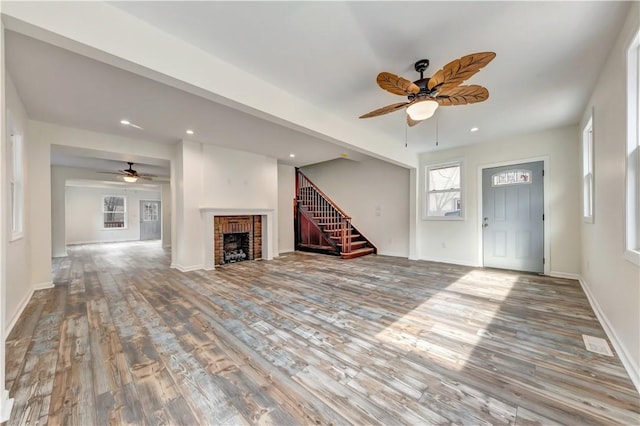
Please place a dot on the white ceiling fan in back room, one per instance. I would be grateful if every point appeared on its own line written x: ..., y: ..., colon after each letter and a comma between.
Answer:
x: 442, y: 89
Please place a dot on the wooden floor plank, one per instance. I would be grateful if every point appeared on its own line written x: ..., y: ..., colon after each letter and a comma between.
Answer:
x: 307, y: 338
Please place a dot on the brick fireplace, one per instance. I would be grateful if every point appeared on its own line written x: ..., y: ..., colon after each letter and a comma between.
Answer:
x: 211, y: 250
x: 237, y: 238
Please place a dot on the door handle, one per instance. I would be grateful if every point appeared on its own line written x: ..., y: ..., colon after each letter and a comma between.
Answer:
x: 485, y: 224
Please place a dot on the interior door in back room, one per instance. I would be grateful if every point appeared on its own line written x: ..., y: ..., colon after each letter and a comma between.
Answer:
x: 150, y: 223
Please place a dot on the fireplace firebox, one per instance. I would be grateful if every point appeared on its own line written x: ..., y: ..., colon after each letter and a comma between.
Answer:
x: 237, y: 238
x: 235, y: 247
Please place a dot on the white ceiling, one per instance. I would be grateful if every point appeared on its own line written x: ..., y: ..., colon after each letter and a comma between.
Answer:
x: 549, y: 55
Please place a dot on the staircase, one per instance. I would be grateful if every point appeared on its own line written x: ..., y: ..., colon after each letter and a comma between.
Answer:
x: 321, y: 226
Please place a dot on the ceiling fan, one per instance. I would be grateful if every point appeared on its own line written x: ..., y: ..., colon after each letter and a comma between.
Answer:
x: 129, y: 175
x: 443, y: 88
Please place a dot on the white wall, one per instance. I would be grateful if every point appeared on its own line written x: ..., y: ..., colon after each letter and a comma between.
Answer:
x: 376, y: 196
x: 187, y: 252
x: 84, y: 214
x: 165, y: 196
x: 17, y: 267
x: 286, y: 195
x: 208, y: 176
x: 462, y: 238
x: 5, y: 402
x: 612, y: 281
x: 236, y: 179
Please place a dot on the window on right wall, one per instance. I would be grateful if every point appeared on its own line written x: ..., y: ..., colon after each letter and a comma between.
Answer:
x: 587, y: 171
x: 632, y: 228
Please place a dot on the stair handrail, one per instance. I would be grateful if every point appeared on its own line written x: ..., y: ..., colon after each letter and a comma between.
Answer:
x: 322, y: 194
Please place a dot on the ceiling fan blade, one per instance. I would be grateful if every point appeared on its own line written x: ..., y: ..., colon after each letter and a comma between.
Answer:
x: 110, y: 173
x: 396, y: 85
x: 385, y: 110
x: 455, y: 72
x: 411, y: 122
x: 145, y: 175
x: 462, y: 95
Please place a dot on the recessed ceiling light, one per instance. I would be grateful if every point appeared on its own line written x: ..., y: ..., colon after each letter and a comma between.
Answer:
x: 190, y: 132
x: 292, y: 155
x: 474, y: 129
x: 130, y: 124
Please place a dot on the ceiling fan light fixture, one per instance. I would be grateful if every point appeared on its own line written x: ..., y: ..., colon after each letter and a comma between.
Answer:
x: 422, y: 110
x: 130, y: 179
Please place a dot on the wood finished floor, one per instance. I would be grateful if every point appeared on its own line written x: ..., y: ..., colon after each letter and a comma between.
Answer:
x: 124, y: 339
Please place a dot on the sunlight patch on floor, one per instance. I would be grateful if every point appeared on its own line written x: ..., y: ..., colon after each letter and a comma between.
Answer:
x: 448, y: 326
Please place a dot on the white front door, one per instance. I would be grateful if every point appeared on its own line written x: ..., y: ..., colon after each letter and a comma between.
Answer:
x: 513, y: 221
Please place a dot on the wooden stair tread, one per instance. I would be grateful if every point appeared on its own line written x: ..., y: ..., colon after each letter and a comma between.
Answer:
x: 357, y: 253
x: 317, y: 247
x: 355, y: 243
x: 321, y: 225
x: 338, y: 237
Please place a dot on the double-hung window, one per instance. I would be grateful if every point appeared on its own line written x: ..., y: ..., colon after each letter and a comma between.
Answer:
x: 114, y: 212
x: 16, y: 185
x: 443, y: 197
x: 587, y: 172
x: 632, y: 228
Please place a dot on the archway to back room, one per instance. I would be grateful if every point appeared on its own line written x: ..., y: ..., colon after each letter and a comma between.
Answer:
x: 92, y: 203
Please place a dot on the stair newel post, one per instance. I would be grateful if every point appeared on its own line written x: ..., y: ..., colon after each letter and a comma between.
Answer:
x: 296, y: 205
x: 343, y: 235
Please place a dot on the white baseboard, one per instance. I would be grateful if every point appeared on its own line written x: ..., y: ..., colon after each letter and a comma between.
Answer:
x: 393, y: 254
x: 627, y: 360
x: 566, y: 275
x: 23, y: 304
x: 187, y: 268
x: 6, y: 404
x: 43, y: 286
x: 451, y: 261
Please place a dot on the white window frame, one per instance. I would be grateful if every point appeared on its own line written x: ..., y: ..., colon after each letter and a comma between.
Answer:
x: 632, y: 228
x: 588, y: 176
x: 124, y: 213
x: 16, y: 184
x: 427, y: 172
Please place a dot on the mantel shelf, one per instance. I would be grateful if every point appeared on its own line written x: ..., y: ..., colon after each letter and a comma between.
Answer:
x: 233, y: 211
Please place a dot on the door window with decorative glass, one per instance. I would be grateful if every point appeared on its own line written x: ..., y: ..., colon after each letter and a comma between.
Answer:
x: 150, y: 211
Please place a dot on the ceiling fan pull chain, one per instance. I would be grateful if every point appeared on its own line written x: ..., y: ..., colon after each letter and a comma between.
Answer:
x: 406, y: 126
x: 437, y: 127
